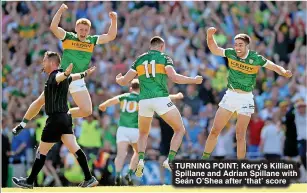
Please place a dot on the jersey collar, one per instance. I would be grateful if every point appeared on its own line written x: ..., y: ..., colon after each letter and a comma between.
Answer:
x: 133, y: 92
x: 154, y: 51
x: 245, y: 55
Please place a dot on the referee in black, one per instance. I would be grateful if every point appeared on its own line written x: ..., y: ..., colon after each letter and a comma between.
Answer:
x: 59, y: 123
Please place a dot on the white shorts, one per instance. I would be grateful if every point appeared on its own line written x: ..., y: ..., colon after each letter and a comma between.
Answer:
x: 242, y: 103
x: 160, y: 105
x: 127, y: 134
x: 77, y: 86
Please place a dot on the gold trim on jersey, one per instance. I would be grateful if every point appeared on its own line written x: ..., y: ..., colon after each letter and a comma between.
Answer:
x: 77, y: 45
x: 160, y: 69
x: 242, y: 67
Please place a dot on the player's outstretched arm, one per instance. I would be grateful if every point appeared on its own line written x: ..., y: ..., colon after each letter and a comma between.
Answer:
x: 177, y: 96
x: 110, y: 102
x: 212, y: 45
x: 278, y: 69
x: 111, y: 35
x: 81, y: 75
x: 54, y: 26
x: 127, y: 78
x: 181, y: 79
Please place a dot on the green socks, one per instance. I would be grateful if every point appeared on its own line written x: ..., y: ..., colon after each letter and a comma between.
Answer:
x: 171, y: 155
x: 206, y: 155
x: 141, y: 155
x: 118, y: 174
x: 130, y: 172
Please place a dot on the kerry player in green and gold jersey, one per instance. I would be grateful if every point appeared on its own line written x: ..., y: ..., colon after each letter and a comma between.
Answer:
x: 243, y: 68
x: 128, y: 132
x: 78, y: 49
x: 153, y: 69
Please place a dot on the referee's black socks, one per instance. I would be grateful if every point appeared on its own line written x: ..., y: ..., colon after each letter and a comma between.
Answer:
x: 36, y: 168
x: 83, y: 164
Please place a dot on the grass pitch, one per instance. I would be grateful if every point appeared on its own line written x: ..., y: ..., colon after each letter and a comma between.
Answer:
x: 104, y: 189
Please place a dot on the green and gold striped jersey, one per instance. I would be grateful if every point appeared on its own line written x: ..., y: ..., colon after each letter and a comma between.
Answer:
x: 76, y: 52
x: 152, y: 76
x: 243, y: 71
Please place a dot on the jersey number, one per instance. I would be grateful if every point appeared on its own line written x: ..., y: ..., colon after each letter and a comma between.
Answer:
x: 129, y: 106
x: 153, y: 68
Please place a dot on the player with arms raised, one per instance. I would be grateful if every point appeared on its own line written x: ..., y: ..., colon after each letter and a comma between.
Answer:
x: 243, y: 68
x: 153, y: 69
x: 78, y: 49
x: 128, y: 132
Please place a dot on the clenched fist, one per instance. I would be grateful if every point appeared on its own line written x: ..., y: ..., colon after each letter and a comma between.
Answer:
x: 113, y: 15
x: 211, y: 31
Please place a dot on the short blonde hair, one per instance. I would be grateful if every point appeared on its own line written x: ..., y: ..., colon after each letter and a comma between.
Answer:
x: 84, y: 21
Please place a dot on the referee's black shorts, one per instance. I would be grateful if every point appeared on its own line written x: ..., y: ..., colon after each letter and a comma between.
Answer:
x: 57, y: 124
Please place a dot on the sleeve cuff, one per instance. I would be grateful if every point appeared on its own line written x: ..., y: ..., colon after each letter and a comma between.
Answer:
x: 266, y: 63
x: 224, y: 52
x: 64, y: 36
x: 97, y: 42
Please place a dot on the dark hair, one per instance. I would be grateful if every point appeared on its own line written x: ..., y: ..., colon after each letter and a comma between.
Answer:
x: 53, y: 56
x: 245, y: 38
x: 135, y: 85
x: 156, y: 41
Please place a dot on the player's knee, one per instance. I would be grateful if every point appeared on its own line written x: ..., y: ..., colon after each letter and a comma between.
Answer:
x: 214, y: 132
x: 87, y: 111
x: 240, y: 136
x: 121, y: 156
x: 181, y: 131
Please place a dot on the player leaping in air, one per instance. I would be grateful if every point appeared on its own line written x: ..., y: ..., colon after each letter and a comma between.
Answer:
x: 153, y: 69
x: 78, y: 49
x: 243, y: 68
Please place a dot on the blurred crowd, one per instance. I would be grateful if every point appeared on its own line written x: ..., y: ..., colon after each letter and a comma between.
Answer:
x: 278, y: 32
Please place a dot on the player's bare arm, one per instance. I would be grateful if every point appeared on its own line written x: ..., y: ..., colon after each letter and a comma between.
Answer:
x: 212, y: 45
x: 111, y: 35
x: 127, y: 78
x: 278, y: 69
x: 54, y: 26
x: 177, y: 96
x: 181, y: 79
x: 110, y: 102
x: 88, y: 72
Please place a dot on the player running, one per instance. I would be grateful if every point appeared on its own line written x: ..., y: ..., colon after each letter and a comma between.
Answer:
x: 127, y: 132
x: 243, y: 68
x: 78, y: 49
x: 59, y: 123
x: 153, y: 69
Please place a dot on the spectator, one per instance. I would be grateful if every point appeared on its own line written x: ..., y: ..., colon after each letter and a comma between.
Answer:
x: 272, y: 140
x: 191, y: 98
x: 300, y: 123
x: 206, y: 93
x: 291, y: 144
x: 254, y: 129
x: 5, y: 159
x: 90, y: 130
